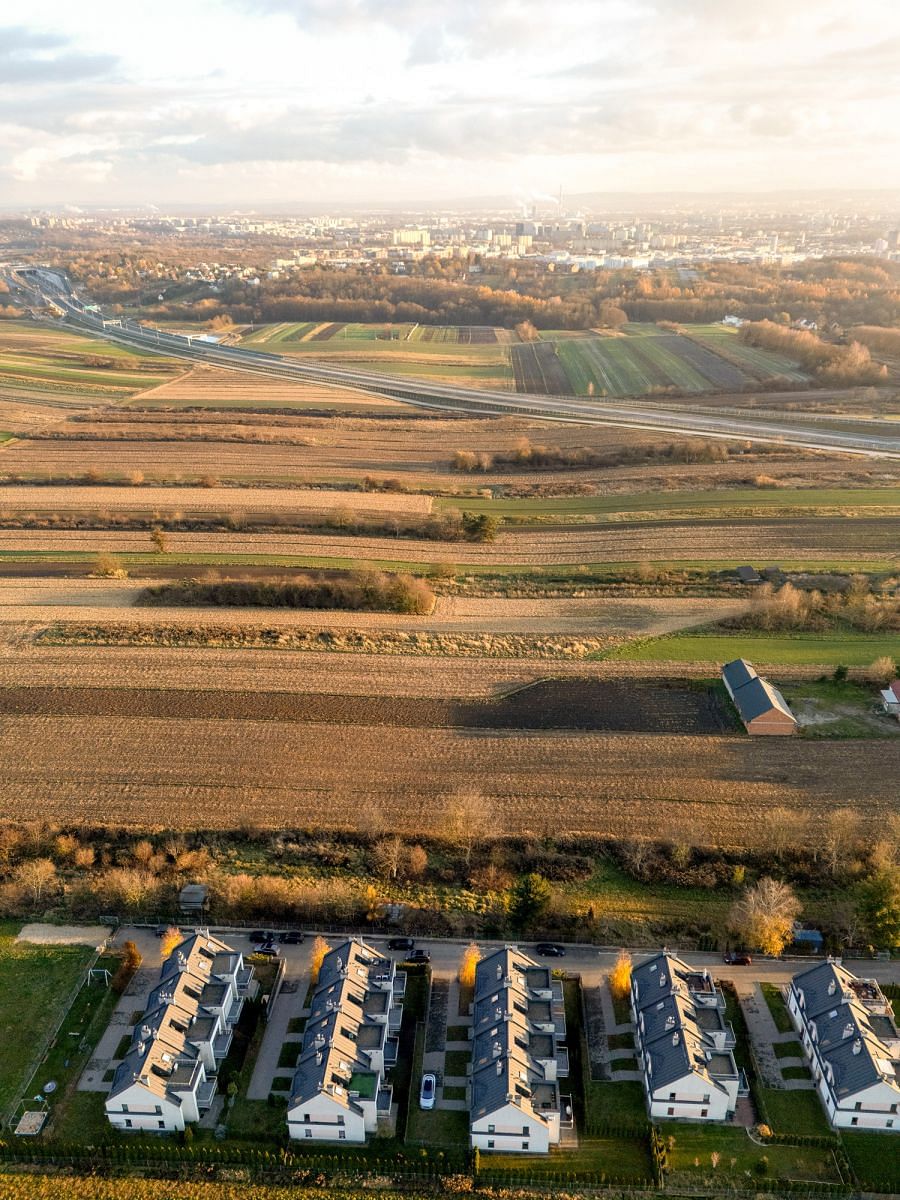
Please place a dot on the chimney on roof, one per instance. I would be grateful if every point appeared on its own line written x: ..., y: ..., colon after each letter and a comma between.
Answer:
x: 670, y: 1022
x: 848, y: 1030
x: 662, y: 979
x: 675, y: 1038
x: 499, y: 1067
x: 857, y: 1046
x: 832, y: 987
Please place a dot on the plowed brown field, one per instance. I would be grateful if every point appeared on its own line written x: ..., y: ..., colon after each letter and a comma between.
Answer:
x: 150, y: 772
x: 209, y: 387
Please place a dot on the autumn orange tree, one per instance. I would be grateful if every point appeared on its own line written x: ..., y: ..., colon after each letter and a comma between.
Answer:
x: 620, y: 976
x: 319, y: 949
x: 470, y: 960
x: 170, y: 939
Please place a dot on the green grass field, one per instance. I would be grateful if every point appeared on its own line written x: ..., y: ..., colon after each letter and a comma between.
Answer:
x: 725, y: 341
x: 799, y: 649
x: 875, y: 1159
x: 35, y: 984
x: 691, y: 1157
x: 721, y: 500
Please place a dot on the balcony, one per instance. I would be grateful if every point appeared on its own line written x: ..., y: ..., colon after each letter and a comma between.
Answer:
x: 566, y: 1113
x: 205, y: 1093
x: 391, y: 1051
x: 562, y: 1062
x: 244, y: 980
x: 399, y: 985
x: 222, y: 1044
x: 395, y: 1018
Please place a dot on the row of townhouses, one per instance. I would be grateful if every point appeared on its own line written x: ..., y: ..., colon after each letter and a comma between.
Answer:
x: 519, y: 1058
x: 169, y: 1075
x: 851, y: 1040
x: 351, y: 1038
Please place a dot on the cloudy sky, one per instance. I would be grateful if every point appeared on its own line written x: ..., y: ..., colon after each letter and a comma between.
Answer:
x: 270, y: 101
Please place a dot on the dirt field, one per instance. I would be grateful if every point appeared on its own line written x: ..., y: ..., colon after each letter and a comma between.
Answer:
x: 210, y: 387
x: 25, y: 498
x: 166, y: 771
x: 50, y: 600
x: 809, y: 539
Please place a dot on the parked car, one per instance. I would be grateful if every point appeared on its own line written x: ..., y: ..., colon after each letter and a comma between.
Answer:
x: 418, y: 956
x: 427, y: 1091
x: 406, y: 944
x: 261, y: 935
x: 290, y: 937
x: 267, y: 950
x: 737, y: 958
x: 550, y: 950
x: 161, y: 930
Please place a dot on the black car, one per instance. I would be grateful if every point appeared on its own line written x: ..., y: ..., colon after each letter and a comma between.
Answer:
x: 261, y: 935
x: 290, y: 937
x: 737, y: 958
x: 418, y: 956
x: 550, y: 950
x: 267, y: 950
x: 405, y: 944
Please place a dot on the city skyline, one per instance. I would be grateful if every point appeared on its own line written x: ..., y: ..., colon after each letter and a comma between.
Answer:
x: 299, y: 101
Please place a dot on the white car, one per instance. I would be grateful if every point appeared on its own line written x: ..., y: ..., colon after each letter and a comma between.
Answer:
x: 427, y: 1091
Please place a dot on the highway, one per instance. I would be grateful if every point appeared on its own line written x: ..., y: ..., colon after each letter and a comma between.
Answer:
x: 805, y: 433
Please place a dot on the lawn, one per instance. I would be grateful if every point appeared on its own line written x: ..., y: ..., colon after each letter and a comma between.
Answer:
x: 827, y: 650
x: 457, y: 1033
x: 777, y: 1007
x: 617, y: 1158
x: 456, y: 1062
x: 36, y: 983
x: 795, y: 1073
x: 874, y: 1158
x: 788, y: 1050
x: 615, y: 1104
x: 795, y: 1112
x: 690, y: 1157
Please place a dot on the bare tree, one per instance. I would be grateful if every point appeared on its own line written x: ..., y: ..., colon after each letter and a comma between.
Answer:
x: 468, y: 819
x: 840, y: 838
x: 387, y: 857
x: 36, y: 875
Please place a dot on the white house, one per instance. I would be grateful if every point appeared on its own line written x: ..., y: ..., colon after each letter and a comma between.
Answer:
x: 517, y: 1056
x: 169, y: 1075
x: 684, y: 1043
x: 851, y: 1041
x: 339, y: 1091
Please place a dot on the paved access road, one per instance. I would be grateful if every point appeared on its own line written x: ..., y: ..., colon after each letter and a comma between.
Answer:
x: 591, y: 963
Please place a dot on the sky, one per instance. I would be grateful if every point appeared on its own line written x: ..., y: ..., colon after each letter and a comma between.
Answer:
x: 243, y: 102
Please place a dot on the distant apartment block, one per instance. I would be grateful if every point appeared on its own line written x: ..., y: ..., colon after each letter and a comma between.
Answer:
x: 851, y: 1040
x: 684, y: 1042
x: 168, y: 1078
x: 351, y: 1038
x: 518, y: 1056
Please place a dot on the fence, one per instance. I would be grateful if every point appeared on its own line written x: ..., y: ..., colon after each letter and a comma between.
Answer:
x: 276, y: 986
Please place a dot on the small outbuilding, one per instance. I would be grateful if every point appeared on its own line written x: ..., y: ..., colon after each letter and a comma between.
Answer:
x: 748, y: 575
x: 890, y: 699
x: 193, y: 899
x: 760, y: 705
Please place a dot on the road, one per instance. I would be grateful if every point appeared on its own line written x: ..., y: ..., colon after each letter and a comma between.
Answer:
x: 54, y: 289
x: 591, y: 963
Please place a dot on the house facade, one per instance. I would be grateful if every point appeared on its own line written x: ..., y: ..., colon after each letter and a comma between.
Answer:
x: 760, y: 705
x: 339, y: 1093
x: 684, y: 1043
x: 518, y: 1056
x: 852, y: 1043
x: 168, y: 1077
x: 890, y: 699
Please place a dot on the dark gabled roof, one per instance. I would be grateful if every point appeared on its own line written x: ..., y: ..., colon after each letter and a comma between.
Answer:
x: 758, y: 697
x: 738, y: 672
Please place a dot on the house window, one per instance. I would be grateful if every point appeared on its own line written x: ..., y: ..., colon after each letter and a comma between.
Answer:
x: 858, y: 1106
x: 490, y: 1143
x: 342, y: 1135
x: 492, y: 1129
x: 671, y: 1095
x: 127, y: 1124
x: 706, y: 1099
x: 670, y: 1112
x: 124, y: 1108
x: 526, y: 1130
x: 854, y: 1120
x: 161, y: 1124
x: 307, y: 1132
x: 340, y: 1120
x: 524, y: 1145
x: 306, y: 1118
x: 889, y: 1125
x: 704, y: 1112
x: 158, y: 1109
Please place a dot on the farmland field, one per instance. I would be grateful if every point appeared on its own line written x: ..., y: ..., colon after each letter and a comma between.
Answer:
x: 850, y: 649
x: 201, y: 773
